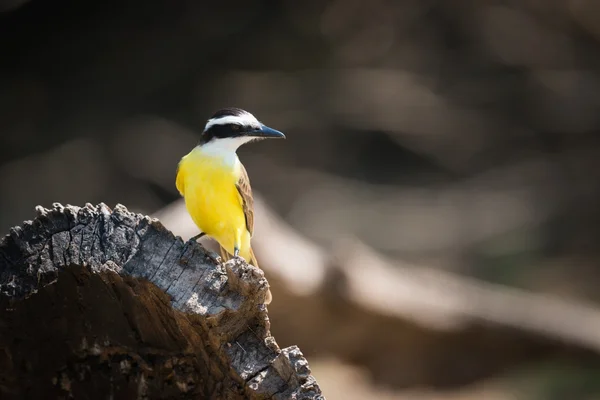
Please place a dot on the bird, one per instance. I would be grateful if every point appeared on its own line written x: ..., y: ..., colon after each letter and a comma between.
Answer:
x: 215, y: 184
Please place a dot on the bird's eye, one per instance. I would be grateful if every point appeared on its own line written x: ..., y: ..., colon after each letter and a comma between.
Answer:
x: 235, y: 127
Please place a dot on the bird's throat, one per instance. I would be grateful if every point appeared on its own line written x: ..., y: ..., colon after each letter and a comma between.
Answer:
x: 223, y: 154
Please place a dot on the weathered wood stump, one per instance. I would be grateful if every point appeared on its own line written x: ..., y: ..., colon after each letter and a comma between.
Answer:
x: 98, y: 303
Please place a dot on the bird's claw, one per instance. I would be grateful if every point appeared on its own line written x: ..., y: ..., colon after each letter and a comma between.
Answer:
x: 236, y: 254
x: 196, y: 237
x: 214, y: 256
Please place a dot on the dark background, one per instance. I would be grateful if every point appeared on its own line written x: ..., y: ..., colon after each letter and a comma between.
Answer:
x: 460, y: 135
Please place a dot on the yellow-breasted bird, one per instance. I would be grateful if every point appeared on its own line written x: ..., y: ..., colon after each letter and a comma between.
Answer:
x: 215, y: 184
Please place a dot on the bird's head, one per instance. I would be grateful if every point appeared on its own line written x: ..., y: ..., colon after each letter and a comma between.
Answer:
x: 230, y: 128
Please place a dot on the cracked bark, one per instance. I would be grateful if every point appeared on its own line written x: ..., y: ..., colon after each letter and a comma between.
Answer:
x: 99, y: 303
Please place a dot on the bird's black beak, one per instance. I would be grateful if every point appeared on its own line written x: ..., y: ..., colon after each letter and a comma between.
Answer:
x: 266, y: 133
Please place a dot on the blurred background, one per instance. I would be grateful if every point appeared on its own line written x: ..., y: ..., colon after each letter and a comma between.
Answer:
x: 430, y: 226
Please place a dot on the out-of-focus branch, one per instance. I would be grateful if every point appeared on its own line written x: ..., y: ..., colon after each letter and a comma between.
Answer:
x: 395, y: 317
x: 443, y: 218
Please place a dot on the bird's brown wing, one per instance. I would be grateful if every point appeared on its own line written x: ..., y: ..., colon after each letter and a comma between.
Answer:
x: 243, y: 187
x: 245, y: 191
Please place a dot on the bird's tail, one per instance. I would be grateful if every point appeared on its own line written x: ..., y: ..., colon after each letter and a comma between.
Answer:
x: 251, y: 259
x: 225, y: 256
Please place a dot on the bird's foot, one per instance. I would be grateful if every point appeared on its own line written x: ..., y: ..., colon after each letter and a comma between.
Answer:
x: 214, y: 256
x: 198, y: 236
x: 236, y: 254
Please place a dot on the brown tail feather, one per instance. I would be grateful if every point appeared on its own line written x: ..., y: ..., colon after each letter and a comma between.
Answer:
x: 225, y: 256
x: 253, y: 259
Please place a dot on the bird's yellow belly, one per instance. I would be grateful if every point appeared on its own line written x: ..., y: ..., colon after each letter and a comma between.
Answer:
x: 214, y: 204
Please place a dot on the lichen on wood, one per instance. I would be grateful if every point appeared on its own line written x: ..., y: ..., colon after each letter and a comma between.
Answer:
x: 98, y: 303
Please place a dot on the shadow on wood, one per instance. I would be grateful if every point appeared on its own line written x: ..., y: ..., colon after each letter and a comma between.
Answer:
x: 99, y: 303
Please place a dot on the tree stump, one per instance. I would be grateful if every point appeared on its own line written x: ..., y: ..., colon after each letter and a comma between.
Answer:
x: 99, y: 303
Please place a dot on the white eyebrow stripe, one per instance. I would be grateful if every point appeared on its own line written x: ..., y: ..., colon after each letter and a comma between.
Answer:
x: 244, y: 119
